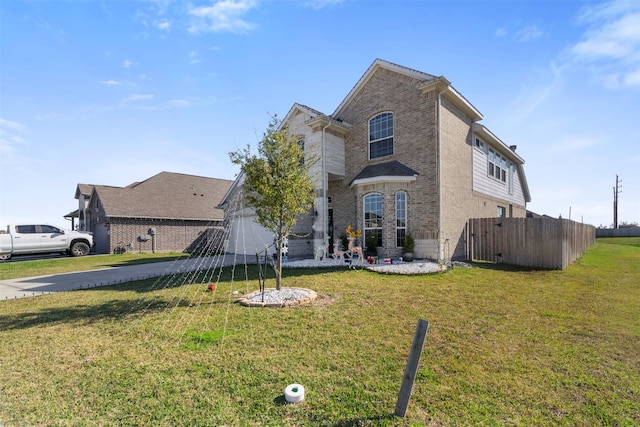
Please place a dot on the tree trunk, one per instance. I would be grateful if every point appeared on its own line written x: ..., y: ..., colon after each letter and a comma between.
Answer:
x: 279, y: 261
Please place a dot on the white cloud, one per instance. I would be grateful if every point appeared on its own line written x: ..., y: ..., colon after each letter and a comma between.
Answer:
x: 321, y: 4
x: 139, y: 97
x: 126, y: 63
x: 222, y: 16
x: 10, y: 141
x: 528, y: 33
x: 164, y: 25
x: 7, y: 125
x: 501, y: 32
x: 194, y: 58
x: 533, y: 94
x: 109, y: 82
x: 611, y: 44
x: 179, y: 103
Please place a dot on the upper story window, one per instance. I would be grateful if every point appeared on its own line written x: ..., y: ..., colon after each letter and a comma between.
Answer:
x: 381, y: 135
x: 497, y: 166
x: 479, y: 144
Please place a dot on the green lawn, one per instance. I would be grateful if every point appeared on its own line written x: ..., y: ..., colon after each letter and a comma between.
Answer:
x: 505, y: 347
x: 42, y: 267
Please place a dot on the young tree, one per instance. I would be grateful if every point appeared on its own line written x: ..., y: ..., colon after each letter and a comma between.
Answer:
x: 277, y: 183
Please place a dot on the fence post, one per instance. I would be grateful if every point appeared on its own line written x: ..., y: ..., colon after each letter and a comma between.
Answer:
x: 412, y: 368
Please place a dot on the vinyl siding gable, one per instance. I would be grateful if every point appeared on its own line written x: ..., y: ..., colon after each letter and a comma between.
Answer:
x: 485, y: 184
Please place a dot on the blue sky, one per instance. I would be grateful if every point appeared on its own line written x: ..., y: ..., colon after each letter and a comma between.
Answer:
x: 115, y: 92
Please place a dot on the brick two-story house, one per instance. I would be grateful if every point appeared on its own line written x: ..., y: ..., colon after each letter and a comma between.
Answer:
x: 403, y: 152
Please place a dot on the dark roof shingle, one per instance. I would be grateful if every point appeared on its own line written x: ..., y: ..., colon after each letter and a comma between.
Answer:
x: 166, y: 195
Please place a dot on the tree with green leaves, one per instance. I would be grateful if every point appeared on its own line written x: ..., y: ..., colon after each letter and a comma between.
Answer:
x: 277, y: 183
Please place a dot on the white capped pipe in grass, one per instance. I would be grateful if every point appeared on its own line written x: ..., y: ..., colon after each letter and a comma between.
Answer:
x: 294, y: 393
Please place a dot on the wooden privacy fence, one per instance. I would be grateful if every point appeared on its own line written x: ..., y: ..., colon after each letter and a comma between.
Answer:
x: 546, y: 243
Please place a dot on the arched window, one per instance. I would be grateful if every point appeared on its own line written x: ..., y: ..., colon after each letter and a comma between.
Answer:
x: 381, y: 135
x: 401, y: 217
x: 373, y: 217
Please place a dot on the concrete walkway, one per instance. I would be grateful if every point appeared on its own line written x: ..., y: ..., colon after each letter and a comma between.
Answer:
x: 42, y: 285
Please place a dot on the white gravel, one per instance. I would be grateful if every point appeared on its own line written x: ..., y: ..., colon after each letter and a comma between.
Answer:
x: 273, y: 296
x: 398, y: 267
x: 285, y: 295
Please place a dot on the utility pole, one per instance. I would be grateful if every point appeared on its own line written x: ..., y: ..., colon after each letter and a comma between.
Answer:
x: 616, y: 191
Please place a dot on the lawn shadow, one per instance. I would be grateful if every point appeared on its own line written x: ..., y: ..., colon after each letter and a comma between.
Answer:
x: 86, y: 314
x: 219, y: 276
x: 147, y: 261
x: 486, y: 265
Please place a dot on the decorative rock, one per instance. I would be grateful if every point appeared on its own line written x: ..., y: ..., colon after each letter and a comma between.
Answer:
x: 285, y: 297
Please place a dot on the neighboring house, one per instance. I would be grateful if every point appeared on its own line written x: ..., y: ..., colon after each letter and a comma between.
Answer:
x: 403, y: 152
x: 166, y: 213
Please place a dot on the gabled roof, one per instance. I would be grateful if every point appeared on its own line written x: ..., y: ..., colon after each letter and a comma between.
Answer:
x: 83, y: 189
x: 389, y: 171
x: 300, y: 107
x: 166, y: 195
x: 427, y: 82
x: 316, y: 118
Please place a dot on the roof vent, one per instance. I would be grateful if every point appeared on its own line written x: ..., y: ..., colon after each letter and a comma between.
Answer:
x: 513, y: 148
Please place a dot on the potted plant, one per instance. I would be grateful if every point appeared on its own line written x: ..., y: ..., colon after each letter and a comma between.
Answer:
x: 344, y: 240
x: 407, y: 247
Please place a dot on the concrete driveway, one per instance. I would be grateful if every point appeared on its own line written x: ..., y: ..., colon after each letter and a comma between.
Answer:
x: 42, y: 285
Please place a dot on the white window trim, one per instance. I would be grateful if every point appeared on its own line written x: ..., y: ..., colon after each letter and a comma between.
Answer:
x: 406, y: 214
x: 364, y: 216
x: 503, y: 165
x: 393, y: 137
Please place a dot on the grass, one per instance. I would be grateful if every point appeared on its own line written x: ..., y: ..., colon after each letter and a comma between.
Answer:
x: 42, y: 267
x: 505, y: 347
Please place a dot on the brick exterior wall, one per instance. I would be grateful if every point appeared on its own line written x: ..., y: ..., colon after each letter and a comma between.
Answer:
x: 415, y: 145
x: 171, y: 235
x: 456, y: 180
x: 441, y: 199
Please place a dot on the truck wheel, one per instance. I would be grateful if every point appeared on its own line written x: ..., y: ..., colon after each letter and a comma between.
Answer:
x: 5, y: 257
x: 79, y: 249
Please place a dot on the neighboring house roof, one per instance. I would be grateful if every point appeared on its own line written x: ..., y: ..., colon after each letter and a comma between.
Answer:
x: 83, y: 189
x: 427, y: 82
x: 389, y: 171
x: 166, y: 195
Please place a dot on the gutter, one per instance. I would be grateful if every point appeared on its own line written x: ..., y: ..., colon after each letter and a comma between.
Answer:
x: 438, y: 174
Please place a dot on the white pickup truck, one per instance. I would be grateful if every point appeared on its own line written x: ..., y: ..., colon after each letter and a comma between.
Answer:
x: 43, y: 238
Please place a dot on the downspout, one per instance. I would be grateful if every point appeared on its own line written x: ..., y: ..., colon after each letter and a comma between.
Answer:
x: 325, y: 204
x: 438, y: 175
